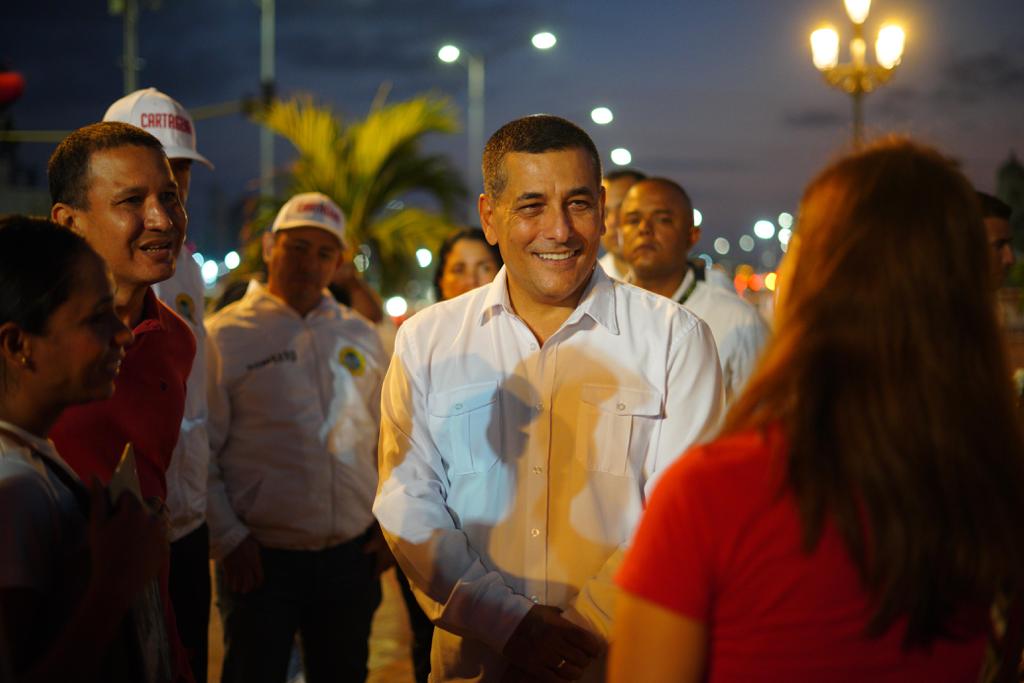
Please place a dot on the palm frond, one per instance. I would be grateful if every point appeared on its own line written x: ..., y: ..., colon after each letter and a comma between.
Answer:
x: 398, y: 235
x: 366, y: 165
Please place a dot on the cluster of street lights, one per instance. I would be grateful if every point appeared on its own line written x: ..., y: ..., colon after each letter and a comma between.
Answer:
x: 765, y: 230
x: 857, y: 78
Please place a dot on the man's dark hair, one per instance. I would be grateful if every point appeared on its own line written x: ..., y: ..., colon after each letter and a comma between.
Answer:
x: 620, y: 173
x: 993, y: 207
x: 533, y: 135
x: 68, y: 168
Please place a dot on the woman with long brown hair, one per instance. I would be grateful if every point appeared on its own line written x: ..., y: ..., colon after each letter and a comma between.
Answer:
x: 863, y: 506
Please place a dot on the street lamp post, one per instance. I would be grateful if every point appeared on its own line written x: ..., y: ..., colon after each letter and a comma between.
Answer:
x: 475, y: 67
x: 856, y: 77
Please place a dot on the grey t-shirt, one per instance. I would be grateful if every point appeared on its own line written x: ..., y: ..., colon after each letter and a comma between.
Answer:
x: 44, y: 526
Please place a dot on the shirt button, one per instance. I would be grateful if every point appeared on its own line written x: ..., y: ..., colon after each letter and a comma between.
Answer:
x: 535, y: 532
x: 533, y: 347
x: 538, y: 469
x: 620, y: 406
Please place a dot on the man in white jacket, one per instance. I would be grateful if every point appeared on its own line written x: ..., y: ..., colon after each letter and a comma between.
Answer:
x: 294, y: 394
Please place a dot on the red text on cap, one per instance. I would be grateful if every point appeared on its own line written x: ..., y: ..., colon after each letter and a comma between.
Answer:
x: 319, y: 208
x: 166, y: 121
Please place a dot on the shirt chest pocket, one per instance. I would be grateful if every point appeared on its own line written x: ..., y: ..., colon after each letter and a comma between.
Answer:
x: 466, y: 425
x: 614, y: 427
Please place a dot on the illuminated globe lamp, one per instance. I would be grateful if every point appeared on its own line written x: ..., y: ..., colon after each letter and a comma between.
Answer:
x: 857, y: 77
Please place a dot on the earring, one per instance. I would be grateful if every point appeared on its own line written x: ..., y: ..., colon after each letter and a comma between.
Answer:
x: 24, y: 361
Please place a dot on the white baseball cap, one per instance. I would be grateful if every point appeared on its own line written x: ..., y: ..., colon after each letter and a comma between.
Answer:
x: 311, y: 210
x: 163, y: 117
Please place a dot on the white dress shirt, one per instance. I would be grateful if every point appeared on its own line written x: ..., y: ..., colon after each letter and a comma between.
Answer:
x: 611, y: 267
x: 187, y: 473
x: 294, y: 411
x: 514, y: 474
x: 740, y: 331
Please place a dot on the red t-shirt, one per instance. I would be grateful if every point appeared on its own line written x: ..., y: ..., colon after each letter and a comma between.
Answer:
x: 146, y: 409
x: 719, y: 545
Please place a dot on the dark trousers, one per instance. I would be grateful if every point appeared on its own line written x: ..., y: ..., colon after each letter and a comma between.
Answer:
x: 327, y: 596
x: 422, y: 630
x: 189, y: 586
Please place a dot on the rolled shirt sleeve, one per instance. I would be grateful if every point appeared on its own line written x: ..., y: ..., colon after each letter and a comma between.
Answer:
x: 468, y: 599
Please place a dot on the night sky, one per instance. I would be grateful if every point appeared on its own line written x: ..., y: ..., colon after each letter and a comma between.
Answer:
x: 719, y: 95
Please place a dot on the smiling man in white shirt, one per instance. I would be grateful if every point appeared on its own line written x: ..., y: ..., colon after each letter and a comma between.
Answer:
x: 294, y: 405
x: 524, y: 423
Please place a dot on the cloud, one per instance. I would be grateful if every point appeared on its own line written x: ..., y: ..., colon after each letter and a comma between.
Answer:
x: 978, y: 76
x: 897, y: 102
x: 403, y: 35
x: 667, y: 164
x: 964, y: 80
x: 814, y: 118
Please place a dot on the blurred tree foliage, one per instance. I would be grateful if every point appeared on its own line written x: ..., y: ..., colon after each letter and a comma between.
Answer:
x: 370, y: 167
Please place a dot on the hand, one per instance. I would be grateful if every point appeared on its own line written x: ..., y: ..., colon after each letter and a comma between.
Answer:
x: 377, y: 546
x: 127, y: 544
x: 243, y: 567
x: 549, y: 647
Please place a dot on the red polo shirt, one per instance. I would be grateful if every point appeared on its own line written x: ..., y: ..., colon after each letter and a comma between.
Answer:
x: 146, y: 409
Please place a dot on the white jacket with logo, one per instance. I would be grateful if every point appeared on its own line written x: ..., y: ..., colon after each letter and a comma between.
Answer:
x: 186, y: 476
x: 294, y: 413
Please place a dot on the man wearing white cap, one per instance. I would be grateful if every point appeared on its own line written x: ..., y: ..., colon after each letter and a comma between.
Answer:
x: 294, y: 396
x: 170, y: 123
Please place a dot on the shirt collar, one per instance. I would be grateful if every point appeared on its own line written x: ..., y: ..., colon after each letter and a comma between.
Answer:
x: 151, y: 320
x: 258, y: 295
x: 39, y: 445
x: 597, y: 301
x: 684, y: 285
x: 497, y: 295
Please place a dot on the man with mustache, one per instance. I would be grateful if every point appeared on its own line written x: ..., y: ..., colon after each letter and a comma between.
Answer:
x: 112, y: 183
x: 524, y: 424
x: 658, y: 233
x: 996, y: 214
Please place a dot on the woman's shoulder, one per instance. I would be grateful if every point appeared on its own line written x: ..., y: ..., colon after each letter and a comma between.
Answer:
x: 735, y: 454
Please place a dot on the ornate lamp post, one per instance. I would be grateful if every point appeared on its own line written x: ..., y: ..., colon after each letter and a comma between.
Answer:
x: 857, y: 77
x: 475, y: 133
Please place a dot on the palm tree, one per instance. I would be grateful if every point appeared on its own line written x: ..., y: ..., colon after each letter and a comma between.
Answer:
x: 369, y: 167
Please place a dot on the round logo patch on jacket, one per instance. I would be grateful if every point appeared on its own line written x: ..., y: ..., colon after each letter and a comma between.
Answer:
x: 352, y: 359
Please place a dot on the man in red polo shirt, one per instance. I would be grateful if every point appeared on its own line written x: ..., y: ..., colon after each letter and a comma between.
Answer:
x: 111, y: 182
